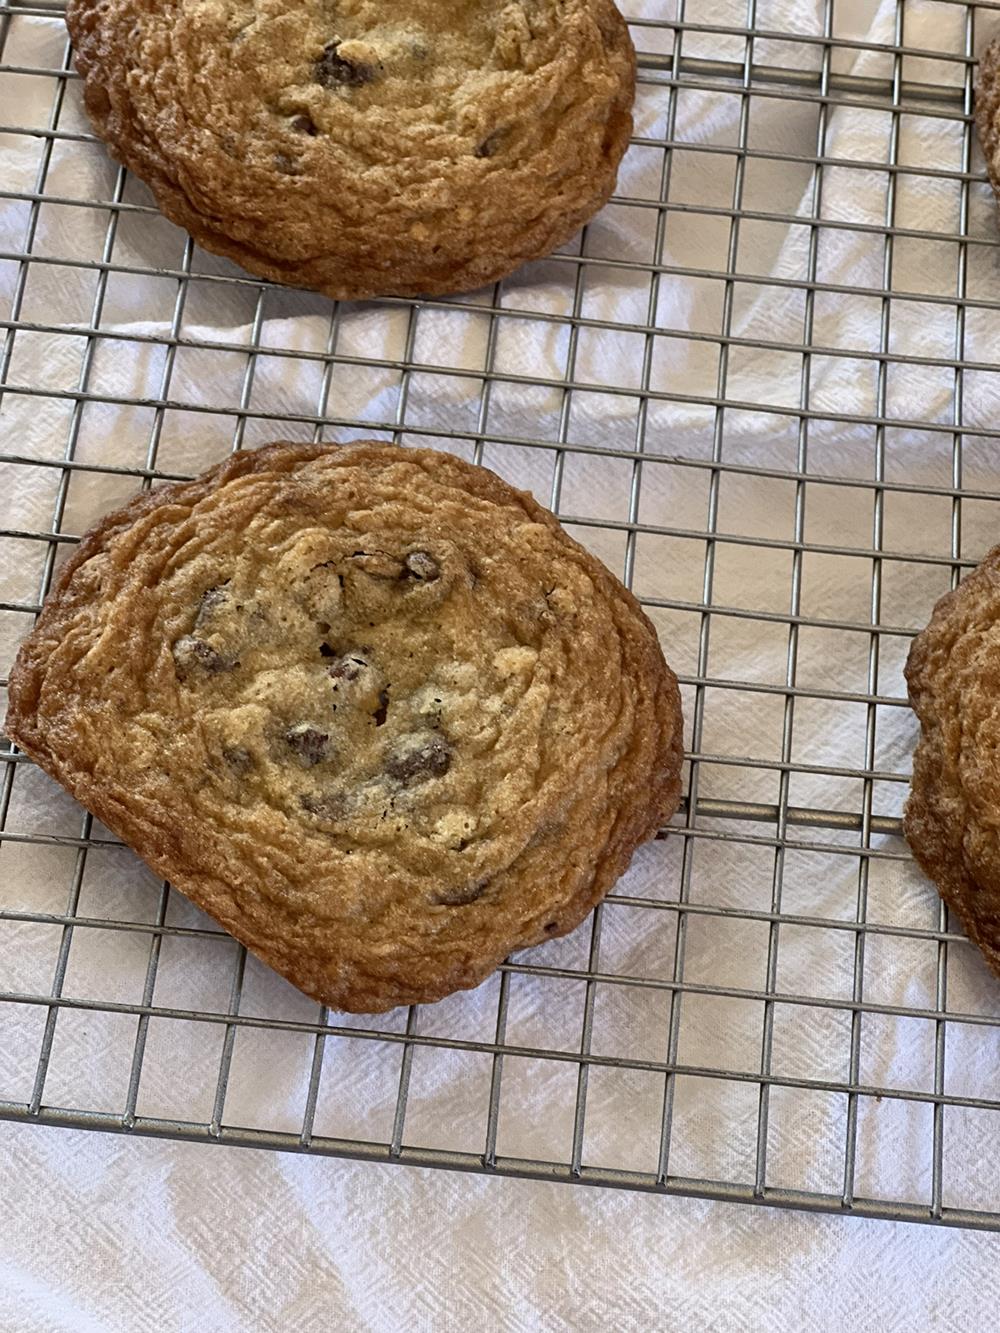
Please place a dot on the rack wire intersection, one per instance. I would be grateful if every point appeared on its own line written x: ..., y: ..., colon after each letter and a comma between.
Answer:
x: 749, y: 388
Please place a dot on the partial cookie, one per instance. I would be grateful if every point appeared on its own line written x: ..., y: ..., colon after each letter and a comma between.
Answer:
x: 952, y: 818
x: 361, y: 148
x: 987, y: 111
x: 370, y: 707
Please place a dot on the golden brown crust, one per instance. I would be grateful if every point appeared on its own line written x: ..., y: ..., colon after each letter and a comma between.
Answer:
x: 987, y: 110
x: 363, y: 149
x: 369, y: 707
x: 953, y: 814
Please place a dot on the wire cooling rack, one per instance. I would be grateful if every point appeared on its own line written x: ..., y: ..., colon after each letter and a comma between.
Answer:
x: 754, y: 386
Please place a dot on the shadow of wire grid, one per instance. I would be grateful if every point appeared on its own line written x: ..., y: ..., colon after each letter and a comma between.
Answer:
x: 760, y: 387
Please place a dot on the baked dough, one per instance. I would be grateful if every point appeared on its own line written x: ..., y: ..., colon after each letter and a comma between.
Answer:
x: 361, y: 148
x: 952, y: 818
x: 369, y: 707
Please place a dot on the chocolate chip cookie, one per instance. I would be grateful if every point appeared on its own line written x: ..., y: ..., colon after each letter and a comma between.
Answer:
x: 360, y: 148
x: 368, y: 706
x: 987, y: 111
x: 951, y: 817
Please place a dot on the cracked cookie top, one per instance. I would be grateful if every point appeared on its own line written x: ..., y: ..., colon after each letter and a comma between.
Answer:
x: 362, y: 148
x: 368, y: 706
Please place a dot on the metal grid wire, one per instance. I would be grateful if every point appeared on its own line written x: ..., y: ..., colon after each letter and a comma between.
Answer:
x: 548, y: 1051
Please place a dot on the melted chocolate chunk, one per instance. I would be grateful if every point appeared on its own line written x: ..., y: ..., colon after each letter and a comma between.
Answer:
x: 238, y: 759
x: 191, y: 653
x: 213, y: 597
x: 212, y: 600
x: 348, y: 667
x: 309, y: 745
x: 490, y: 144
x: 423, y: 566
x: 332, y: 71
x: 430, y: 758
x: 382, y: 712
x: 462, y: 896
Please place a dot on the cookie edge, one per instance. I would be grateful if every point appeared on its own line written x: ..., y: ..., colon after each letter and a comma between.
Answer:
x: 935, y: 840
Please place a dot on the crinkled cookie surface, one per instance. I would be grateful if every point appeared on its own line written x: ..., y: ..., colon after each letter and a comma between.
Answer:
x: 952, y: 817
x: 363, y: 148
x: 368, y: 706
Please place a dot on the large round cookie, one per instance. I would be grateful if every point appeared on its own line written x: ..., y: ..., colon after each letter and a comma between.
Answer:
x: 952, y: 818
x: 370, y: 707
x: 362, y: 148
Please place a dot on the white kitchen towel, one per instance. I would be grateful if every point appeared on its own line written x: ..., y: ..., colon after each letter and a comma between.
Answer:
x: 139, y: 1237
x: 177, y: 1236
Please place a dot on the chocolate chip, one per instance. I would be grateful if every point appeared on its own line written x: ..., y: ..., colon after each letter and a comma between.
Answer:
x: 551, y: 927
x: 190, y: 652
x: 309, y: 744
x: 429, y: 758
x: 461, y: 897
x: 423, y: 566
x: 490, y: 144
x: 212, y: 599
x: 304, y: 125
x: 238, y: 759
x: 326, y: 651
x: 348, y: 667
x: 382, y: 712
x: 334, y: 72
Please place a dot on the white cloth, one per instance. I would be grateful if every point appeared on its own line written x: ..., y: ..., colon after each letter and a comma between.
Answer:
x: 107, y: 1234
